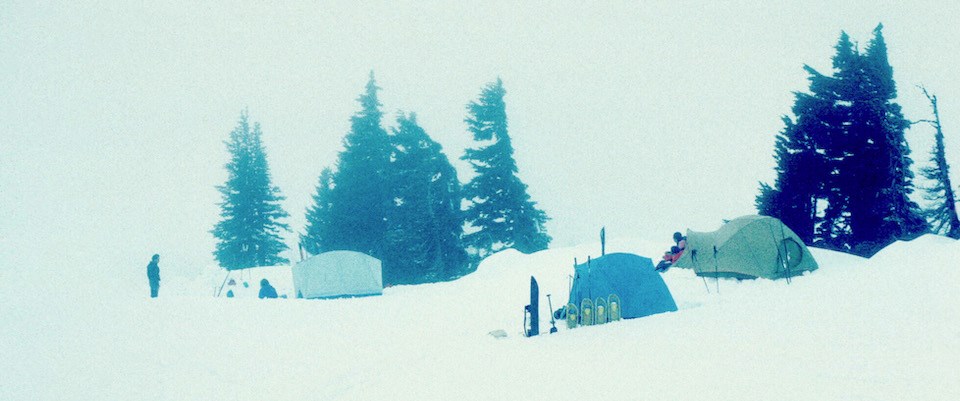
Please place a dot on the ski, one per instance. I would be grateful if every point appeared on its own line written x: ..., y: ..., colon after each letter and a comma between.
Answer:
x: 531, y: 316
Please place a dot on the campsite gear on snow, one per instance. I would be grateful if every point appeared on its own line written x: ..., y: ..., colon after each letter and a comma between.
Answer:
x: 665, y: 262
x: 531, y: 314
x: 153, y: 275
x: 613, y: 305
x: 747, y: 247
x: 586, y: 312
x: 267, y: 290
x: 639, y: 288
x: 553, y: 326
x: 225, y: 278
x: 572, y: 316
x: 600, y: 310
x: 498, y: 334
x: 338, y: 274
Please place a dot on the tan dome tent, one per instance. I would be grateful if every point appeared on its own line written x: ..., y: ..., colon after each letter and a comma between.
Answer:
x: 338, y: 274
x: 747, y: 247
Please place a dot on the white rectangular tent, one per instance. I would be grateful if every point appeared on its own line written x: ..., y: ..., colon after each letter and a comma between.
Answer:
x: 338, y: 274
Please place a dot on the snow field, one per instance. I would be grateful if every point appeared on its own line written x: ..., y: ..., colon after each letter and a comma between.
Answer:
x: 856, y: 329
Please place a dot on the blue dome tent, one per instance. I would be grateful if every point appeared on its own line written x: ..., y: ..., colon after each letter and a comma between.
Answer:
x: 631, y: 277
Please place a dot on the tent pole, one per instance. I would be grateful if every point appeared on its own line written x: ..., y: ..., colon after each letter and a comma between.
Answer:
x: 786, y: 260
x: 781, y: 256
x: 696, y: 264
x: 589, y: 280
x: 223, y: 284
x: 716, y: 269
x: 603, y: 241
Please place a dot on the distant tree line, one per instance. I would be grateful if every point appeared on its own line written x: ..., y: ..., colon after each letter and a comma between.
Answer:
x: 392, y: 194
x: 843, y: 163
x: 843, y: 181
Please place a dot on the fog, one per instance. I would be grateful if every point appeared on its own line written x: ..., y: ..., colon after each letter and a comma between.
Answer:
x: 644, y: 117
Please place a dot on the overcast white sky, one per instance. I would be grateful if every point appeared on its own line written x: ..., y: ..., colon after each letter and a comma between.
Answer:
x: 645, y: 117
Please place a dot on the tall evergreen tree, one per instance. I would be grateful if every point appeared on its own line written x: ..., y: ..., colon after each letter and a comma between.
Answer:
x: 425, y: 224
x: 807, y: 153
x: 499, y: 211
x: 847, y: 150
x: 943, y: 215
x: 249, y: 232
x: 833, y: 230
x: 361, y: 196
x: 879, y: 180
x: 793, y: 198
x: 318, y: 215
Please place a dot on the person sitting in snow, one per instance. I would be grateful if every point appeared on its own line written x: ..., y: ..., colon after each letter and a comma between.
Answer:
x: 267, y: 290
x: 671, y: 256
x: 675, y: 253
x: 681, y: 245
x: 680, y: 241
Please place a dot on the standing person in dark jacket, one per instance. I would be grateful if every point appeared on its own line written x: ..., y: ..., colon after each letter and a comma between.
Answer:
x: 267, y: 290
x: 153, y: 274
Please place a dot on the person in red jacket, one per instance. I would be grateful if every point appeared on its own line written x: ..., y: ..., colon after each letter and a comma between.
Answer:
x: 670, y: 257
x: 680, y: 241
x: 675, y: 253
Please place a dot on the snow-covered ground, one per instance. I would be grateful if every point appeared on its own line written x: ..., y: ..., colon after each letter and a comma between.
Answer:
x: 856, y: 329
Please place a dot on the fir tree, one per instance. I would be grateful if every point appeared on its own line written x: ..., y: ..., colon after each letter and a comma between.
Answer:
x: 425, y: 224
x: 249, y: 232
x: 499, y: 211
x: 361, y: 196
x: 793, y: 199
x: 879, y: 180
x: 806, y: 169
x: 943, y: 215
x: 829, y: 133
x: 318, y: 215
x: 847, y: 150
